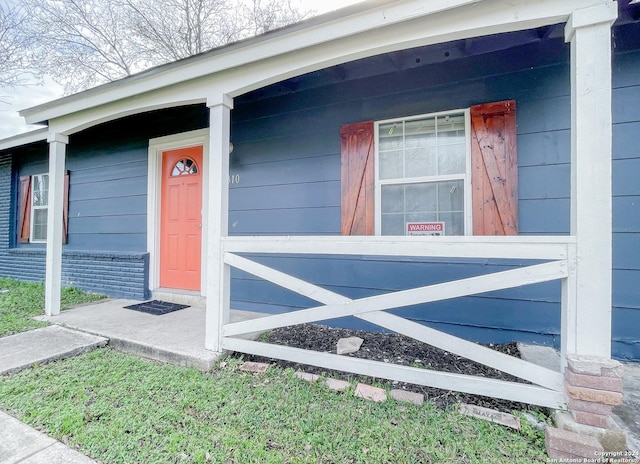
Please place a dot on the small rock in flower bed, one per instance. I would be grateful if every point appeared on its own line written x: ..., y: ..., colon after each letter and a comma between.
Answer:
x: 349, y: 345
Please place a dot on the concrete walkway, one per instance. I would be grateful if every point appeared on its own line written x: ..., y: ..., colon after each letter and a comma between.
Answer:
x: 23, y: 444
x: 627, y: 416
x: 20, y: 351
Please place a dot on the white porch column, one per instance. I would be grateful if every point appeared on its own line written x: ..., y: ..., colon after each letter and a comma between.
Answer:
x: 53, y: 270
x: 218, y: 273
x: 586, y: 318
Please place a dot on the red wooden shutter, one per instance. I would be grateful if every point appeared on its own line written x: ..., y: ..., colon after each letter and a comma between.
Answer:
x: 357, y: 201
x: 24, y: 212
x: 65, y: 210
x: 494, y: 177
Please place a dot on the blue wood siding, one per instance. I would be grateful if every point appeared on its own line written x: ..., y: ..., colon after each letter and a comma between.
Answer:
x: 107, y: 195
x: 287, y: 157
x: 109, y: 199
x: 626, y: 204
x: 7, y: 202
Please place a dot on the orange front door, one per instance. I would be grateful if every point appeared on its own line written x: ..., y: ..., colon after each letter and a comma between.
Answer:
x: 181, y: 218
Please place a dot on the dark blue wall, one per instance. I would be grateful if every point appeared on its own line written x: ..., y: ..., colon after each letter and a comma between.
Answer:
x: 107, y: 249
x: 287, y: 156
x: 626, y: 202
x: 287, y: 149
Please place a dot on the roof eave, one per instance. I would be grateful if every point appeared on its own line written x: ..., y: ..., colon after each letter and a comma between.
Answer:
x: 31, y: 114
x: 38, y: 135
x: 356, y: 19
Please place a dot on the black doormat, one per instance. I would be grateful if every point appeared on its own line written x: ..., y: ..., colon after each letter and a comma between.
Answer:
x: 156, y: 307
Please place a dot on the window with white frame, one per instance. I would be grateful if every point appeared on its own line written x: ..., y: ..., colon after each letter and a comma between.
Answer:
x: 39, y: 207
x: 422, y: 174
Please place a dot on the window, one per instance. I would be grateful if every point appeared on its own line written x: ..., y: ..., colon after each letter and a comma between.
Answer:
x: 39, y: 207
x: 34, y: 208
x: 184, y: 167
x: 456, y: 169
x: 421, y: 175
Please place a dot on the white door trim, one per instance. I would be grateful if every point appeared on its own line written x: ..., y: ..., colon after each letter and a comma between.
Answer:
x: 154, y: 188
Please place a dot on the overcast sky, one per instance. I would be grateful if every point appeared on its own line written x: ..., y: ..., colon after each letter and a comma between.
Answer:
x: 14, y: 100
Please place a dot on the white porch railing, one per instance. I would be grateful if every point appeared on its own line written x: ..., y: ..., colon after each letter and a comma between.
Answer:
x: 546, y: 388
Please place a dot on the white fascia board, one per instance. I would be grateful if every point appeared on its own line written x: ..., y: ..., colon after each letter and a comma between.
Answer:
x: 231, y: 74
x: 260, y: 49
x: 25, y: 138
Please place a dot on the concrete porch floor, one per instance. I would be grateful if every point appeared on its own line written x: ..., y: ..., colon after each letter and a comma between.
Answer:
x: 176, y: 337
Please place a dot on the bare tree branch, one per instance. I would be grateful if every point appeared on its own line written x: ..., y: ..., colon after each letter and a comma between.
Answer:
x: 83, y: 43
x: 14, y: 47
x: 79, y: 43
x: 261, y: 16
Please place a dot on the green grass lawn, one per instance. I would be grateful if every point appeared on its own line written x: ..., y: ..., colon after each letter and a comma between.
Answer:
x: 120, y: 409
x: 117, y: 408
x: 20, y: 302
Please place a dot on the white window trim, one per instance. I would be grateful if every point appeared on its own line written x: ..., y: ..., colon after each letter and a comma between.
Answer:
x: 466, y: 177
x: 33, y: 208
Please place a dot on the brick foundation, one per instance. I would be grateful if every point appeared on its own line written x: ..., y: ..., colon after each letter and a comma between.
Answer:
x: 116, y: 274
x: 562, y: 444
x: 592, y: 387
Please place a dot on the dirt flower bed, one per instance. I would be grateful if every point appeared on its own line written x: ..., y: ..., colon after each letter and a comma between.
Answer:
x: 395, y: 349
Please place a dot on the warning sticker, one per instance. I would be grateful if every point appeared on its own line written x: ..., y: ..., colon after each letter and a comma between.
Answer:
x: 425, y: 228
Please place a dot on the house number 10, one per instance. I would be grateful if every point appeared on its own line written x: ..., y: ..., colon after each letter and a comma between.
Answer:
x: 234, y: 179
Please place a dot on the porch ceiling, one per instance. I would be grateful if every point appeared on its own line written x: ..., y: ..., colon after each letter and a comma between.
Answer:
x: 412, y: 58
